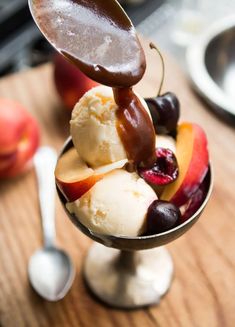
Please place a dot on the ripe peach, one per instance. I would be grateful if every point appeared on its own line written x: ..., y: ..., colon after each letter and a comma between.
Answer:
x: 19, y: 138
x: 70, y: 82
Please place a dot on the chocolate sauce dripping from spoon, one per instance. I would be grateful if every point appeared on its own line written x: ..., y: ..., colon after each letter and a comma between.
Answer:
x: 99, y: 38
x: 135, y: 127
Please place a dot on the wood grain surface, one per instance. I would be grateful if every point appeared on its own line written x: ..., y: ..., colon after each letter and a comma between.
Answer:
x: 203, y: 290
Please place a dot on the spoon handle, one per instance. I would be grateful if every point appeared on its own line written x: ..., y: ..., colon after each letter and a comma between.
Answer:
x: 45, y: 161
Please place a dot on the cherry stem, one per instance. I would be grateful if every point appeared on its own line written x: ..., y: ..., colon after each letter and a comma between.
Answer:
x: 153, y: 46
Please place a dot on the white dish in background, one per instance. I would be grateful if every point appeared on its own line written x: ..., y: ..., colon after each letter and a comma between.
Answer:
x: 211, y: 65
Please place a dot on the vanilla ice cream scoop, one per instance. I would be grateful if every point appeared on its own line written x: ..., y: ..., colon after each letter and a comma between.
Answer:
x: 116, y: 205
x: 93, y: 128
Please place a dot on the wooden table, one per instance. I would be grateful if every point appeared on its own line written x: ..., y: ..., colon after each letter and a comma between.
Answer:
x: 203, y: 290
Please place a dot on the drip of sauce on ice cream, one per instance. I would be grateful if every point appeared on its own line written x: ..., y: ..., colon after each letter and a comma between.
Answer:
x: 98, y: 37
x: 135, y: 127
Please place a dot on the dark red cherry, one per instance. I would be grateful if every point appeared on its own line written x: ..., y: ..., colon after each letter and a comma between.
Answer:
x: 161, y: 216
x: 164, y: 171
x: 165, y: 111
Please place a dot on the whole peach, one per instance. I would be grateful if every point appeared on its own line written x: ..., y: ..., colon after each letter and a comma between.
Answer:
x: 70, y: 82
x: 19, y: 138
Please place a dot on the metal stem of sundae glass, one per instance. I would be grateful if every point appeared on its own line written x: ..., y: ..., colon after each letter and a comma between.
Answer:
x: 126, y: 260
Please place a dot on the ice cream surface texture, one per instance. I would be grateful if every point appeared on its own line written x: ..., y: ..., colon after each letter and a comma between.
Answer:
x: 166, y: 142
x: 93, y: 128
x: 116, y: 205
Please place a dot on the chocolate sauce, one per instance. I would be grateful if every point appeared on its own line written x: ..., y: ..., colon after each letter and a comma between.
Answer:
x: 98, y: 37
x: 135, y: 127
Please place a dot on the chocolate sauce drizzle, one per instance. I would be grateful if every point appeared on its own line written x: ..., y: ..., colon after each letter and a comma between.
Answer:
x: 135, y: 127
x: 99, y: 38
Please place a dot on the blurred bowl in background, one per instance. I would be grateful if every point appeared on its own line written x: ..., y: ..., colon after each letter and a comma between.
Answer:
x: 211, y: 66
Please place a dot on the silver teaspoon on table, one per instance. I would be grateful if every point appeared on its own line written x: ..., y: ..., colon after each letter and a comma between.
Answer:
x: 50, y: 269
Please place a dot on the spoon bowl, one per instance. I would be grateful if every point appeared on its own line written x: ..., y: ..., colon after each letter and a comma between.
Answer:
x: 51, y: 273
x: 70, y: 27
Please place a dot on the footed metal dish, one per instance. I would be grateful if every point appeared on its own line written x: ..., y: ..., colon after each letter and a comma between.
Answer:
x: 211, y: 66
x: 131, y: 278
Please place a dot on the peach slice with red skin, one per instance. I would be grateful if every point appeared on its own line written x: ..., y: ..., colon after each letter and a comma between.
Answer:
x: 195, y: 201
x: 73, y: 176
x: 192, y: 157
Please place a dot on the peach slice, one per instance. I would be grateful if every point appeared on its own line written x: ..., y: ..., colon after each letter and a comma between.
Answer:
x: 74, y: 177
x: 192, y: 157
x: 109, y: 167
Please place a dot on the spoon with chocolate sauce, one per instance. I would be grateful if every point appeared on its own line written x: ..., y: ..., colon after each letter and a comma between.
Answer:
x: 99, y: 38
